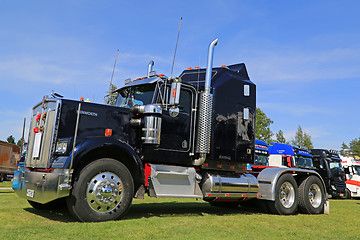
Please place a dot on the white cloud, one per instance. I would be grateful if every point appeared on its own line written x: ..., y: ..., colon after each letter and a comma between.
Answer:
x: 28, y: 69
x: 279, y: 65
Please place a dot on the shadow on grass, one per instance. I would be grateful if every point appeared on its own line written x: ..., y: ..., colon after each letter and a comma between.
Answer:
x: 149, y: 210
x: 171, y: 209
x: 59, y: 215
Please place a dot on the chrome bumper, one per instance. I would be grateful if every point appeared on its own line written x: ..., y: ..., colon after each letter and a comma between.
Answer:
x: 41, y: 187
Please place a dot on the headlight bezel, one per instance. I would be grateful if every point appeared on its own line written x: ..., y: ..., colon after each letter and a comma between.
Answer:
x: 61, y: 147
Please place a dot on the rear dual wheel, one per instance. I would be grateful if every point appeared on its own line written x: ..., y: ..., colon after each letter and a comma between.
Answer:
x: 311, y: 196
x: 102, y: 191
x: 286, y: 196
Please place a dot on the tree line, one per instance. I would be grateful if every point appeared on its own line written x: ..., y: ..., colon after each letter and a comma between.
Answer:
x: 352, y: 149
x: 11, y: 139
x: 264, y: 133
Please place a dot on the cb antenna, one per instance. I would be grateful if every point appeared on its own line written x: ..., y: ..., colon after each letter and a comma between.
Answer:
x: 112, y: 75
x: 177, y: 40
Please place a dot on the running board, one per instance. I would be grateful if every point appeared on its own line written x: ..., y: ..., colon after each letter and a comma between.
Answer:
x: 174, y: 181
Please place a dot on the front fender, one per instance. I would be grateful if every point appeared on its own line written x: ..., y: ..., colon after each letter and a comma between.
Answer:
x: 104, y: 147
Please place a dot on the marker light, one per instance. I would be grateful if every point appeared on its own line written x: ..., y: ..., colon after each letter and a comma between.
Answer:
x: 189, y: 68
x: 161, y: 75
x: 108, y: 132
x: 36, y: 130
x: 196, y: 67
x: 38, y: 116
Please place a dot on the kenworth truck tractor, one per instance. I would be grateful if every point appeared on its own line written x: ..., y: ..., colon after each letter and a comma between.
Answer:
x: 351, y: 166
x: 186, y: 137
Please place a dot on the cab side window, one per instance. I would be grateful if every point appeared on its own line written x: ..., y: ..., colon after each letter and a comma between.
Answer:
x: 185, y: 101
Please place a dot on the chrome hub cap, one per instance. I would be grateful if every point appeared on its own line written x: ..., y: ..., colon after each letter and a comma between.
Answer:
x: 315, y: 195
x: 287, y: 195
x: 104, y: 192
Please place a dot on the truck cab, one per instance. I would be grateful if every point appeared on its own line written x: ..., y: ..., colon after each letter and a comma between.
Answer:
x: 351, y: 166
x: 328, y: 164
x: 261, y: 153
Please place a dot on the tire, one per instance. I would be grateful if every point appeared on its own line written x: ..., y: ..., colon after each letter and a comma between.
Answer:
x: 347, y: 194
x: 102, y: 191
x: 53, y: 205
x: 286, y: 196
x: 311, y: 196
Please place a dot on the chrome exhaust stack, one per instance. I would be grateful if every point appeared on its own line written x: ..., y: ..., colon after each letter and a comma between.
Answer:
x: 150, y: 69
x: 205, y: 112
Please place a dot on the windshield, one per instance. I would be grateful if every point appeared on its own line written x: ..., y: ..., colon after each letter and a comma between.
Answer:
x: 301, y: 161
x: 357, y: 170
x: 333, y: 165
x: 261, y: 160
x: 136, y: 95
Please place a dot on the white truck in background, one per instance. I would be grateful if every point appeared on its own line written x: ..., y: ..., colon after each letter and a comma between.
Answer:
x: 351, y: 166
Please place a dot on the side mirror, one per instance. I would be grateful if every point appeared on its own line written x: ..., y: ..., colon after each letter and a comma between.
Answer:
x: 175, y: 92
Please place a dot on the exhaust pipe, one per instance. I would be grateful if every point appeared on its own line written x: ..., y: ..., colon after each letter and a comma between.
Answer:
x: 205, y: 112
x: 209, y: 65
x: 150, y: 68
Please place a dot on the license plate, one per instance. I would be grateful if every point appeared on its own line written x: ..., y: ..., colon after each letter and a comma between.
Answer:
x: 30, y: 193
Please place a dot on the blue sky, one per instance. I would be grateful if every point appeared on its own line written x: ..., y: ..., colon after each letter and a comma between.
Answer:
x: 304, y: 56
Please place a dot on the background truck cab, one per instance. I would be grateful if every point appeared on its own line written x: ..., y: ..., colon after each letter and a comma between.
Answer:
x: 351, y: 166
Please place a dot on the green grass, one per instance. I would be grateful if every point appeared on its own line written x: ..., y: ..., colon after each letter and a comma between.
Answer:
x: 168, y: 218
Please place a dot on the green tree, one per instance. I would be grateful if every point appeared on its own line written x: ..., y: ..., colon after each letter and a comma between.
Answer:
x: 110, y: 97
x: 355, y: 146
x: 20, y: 142
x: 11, y: 139
x: 302, y: 139
x: 262, y: 127
x: 344, y: 149
x: 280, y: 137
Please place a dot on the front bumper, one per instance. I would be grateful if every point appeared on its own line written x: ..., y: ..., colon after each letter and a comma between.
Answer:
x: 41, y: 187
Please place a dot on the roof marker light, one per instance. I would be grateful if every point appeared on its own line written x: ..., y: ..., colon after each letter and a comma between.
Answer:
x: 196, y: 67
x: 189, y: 68
x: 223, y: 66
x: 161, y: 75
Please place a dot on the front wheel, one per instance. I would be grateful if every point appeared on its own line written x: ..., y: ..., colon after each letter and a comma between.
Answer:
x: 311, y: 196
x: 347, y: 193
x: 102, y: 191
x: 286, y: 196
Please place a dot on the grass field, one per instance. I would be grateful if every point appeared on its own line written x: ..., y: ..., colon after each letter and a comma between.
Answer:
x: 169, y: 218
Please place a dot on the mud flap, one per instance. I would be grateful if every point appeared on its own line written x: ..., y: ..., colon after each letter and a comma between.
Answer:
x: 327, y: 207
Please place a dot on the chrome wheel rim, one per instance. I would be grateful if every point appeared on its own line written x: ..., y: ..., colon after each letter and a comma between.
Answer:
x: 104, y: 192
x: 287, y: 195
x: 315, y: 195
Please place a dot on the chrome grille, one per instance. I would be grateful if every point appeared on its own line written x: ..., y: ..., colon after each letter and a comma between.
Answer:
x: 39, y: 144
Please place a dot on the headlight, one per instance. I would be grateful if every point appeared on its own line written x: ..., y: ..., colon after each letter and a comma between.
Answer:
x: 333, y: 187
x: 61, y: 146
